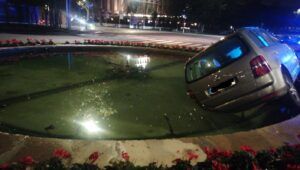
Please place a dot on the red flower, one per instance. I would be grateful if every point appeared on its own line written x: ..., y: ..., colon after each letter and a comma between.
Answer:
x: 219, y: 166
x: 94, y: 156
x: 213, y: 154
x: 272, y: 150
x: 248, y: 149
x: 254, y: 166
x: 191, y: 155
x: 4, y: 166
x: 293, y: 167
x: 297, y: 146
x: 61, y: 153
x: 288, y: 155
x: 206, y: 150
x: 125, y: 156
x: 178, y: 160
x: 27, y: 160
x: 209, y: 153
x: 226, y: 154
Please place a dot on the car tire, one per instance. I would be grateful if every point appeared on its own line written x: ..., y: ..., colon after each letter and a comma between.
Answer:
x: 292, y: 97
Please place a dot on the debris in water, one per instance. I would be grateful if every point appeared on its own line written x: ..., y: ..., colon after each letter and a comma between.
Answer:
x: 50, y: 127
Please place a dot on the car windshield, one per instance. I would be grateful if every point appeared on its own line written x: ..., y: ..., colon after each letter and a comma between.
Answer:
x: 215, y: 58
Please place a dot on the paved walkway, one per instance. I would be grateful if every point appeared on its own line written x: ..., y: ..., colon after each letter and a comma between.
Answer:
x: 168, y: 38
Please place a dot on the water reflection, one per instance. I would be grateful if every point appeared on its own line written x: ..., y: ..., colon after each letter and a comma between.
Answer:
x: 70, y: 60
x: 139, y: 61
x: 91, y: 126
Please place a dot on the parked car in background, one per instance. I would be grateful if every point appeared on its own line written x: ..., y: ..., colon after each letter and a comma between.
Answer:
x: 246, y: 68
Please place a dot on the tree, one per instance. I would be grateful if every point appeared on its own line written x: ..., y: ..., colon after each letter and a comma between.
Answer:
x: 154, y: 18
x: 132, y: 7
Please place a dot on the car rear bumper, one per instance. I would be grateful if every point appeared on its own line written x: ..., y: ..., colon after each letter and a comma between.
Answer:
x: 255, y: 98
x: 272, y: 90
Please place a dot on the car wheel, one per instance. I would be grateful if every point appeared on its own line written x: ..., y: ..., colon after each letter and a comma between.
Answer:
x: 292, y: 95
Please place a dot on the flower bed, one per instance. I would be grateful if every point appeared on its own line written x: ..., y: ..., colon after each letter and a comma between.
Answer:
x: 34, y: 42
x: 29, y: 42
x: 286, y: 157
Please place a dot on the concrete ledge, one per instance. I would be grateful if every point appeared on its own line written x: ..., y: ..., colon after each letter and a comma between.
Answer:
x: 143, y: 152
x: 10, y: 51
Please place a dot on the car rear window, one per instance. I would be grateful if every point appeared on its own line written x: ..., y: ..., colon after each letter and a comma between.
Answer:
x: 216, y: 57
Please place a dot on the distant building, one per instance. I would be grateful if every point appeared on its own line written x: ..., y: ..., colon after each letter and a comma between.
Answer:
x: 109, y: 8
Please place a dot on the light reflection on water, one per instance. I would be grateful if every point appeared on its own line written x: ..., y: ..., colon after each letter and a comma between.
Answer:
x: 140, y: 61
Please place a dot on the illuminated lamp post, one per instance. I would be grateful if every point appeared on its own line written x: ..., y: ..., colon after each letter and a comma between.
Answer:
x: 84, y: 4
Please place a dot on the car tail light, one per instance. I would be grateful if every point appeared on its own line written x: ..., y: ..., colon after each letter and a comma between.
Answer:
x: 191, y: 94
x: 259, y: 66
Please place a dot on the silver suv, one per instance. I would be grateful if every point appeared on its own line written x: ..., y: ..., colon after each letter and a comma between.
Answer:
x: 248, y: 67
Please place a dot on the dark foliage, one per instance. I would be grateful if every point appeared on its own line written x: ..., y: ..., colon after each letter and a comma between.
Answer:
x: 241, y: 160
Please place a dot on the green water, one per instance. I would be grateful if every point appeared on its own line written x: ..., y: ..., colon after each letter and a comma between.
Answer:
x: 110, y: 95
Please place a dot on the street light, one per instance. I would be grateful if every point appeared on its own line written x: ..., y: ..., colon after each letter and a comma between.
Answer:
x: 85, y: 5
x: 297, y: 12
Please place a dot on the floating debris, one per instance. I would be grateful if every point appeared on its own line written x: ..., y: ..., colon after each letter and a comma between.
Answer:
x: 50, y: 127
